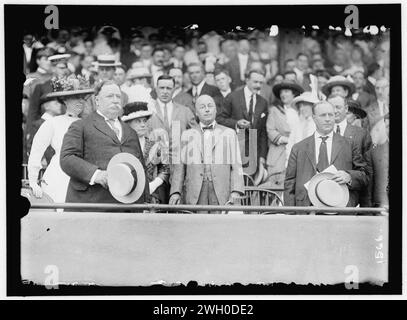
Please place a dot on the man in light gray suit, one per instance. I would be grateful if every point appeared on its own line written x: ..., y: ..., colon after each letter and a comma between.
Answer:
x: 210, y: 164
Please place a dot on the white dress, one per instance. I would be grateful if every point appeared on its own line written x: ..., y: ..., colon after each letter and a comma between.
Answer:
x: 51, y: 133
x: 293, y: 121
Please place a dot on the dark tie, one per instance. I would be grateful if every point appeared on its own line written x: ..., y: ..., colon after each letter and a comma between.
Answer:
x: 210, y: 127
x: 194, y: 94
x: 338, y: 129
x: 323, y: 156
x: 251, y: 109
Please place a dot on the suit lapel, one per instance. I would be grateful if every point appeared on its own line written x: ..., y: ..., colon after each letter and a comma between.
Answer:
x: 310, y: 151
x: 101, y: 125
x: 336, y: 147
x: 125, y: 131
x: 158, y: 112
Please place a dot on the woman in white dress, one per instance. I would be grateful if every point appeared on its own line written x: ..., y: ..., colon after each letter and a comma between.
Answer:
x: 54, y: 182
x: 282, y: 131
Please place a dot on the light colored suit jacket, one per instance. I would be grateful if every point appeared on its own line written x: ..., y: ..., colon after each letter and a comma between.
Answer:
x: 227, y: 172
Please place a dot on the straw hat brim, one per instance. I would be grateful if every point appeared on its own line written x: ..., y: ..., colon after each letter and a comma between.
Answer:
x: 101, y: 64
x: 296, y: 88
x: 312, y: 190
x: 302, y: 99
x: 326, y: 89
x: 125, y: 157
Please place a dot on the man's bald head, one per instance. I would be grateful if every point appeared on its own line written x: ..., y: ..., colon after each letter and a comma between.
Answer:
x: 205, y: 107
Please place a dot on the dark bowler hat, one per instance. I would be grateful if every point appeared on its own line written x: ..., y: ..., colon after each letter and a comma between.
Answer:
x: 355, y: 107
x: 286, y: 84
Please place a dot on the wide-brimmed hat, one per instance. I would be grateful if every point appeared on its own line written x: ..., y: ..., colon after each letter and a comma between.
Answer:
x: 338, y: 81
x: 324, y: 192
x: 59, y: 58
x: 306, y: 96
x: 69, y: 86
x: 135, y: 110
x: 294, y: 86
x: 140, y: 72
x: 126, y: 178
x: 356, y: 108
x: 106, y: 60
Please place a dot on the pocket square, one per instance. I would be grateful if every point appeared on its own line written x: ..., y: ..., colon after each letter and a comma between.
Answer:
x: 263, y: 115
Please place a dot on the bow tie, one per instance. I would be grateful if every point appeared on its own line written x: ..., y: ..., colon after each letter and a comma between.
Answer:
x: 210, y: 127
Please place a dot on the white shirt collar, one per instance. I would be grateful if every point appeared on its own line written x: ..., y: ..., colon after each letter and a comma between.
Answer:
x: 225, y: 93
x: 162, y: 104
x: 46, y: 116
x: 198, y: 87
x: 243, y: 56
x: 342, y: 125
x: 247, y: 92
x: 329, y: 135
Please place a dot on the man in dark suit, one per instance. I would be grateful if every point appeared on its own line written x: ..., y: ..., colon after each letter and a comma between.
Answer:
x: 196, y: 73
x: 238, y: 66
x: 59, y: 68
x: 378, y: 160
x: 246, y: 109
x: 315, y: 153
x: 364, y: 98
x: 357, y: 135
x: 180, y: 96
x: 89, y: 145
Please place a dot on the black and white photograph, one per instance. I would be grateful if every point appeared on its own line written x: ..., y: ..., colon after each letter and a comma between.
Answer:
x: 203, y: 150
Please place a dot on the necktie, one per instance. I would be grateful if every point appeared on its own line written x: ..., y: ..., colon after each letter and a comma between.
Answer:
x: 195, y: 94
x: 116, y: 131
x: 323, y: 156
x: 210, y: 127
x: 338, y: 129
x: 167, y: 123
x: 251, y: 109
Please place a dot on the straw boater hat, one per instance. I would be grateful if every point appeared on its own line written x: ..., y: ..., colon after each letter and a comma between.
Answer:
x: 305, y: 97
x: 126, y: 178
x: 338, y: 81
x: 106, y: 60
x: 355, y: 107
x: 59, y: 58
x: 295, y: 87
x: 69, y: 86
x: 324, y: 192
x: 140, y: 72
x: 135, y: 110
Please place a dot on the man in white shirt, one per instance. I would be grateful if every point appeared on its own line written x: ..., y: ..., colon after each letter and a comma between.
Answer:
x: 301, y: 66
x: 316, y: 153
x: 89, y: 145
